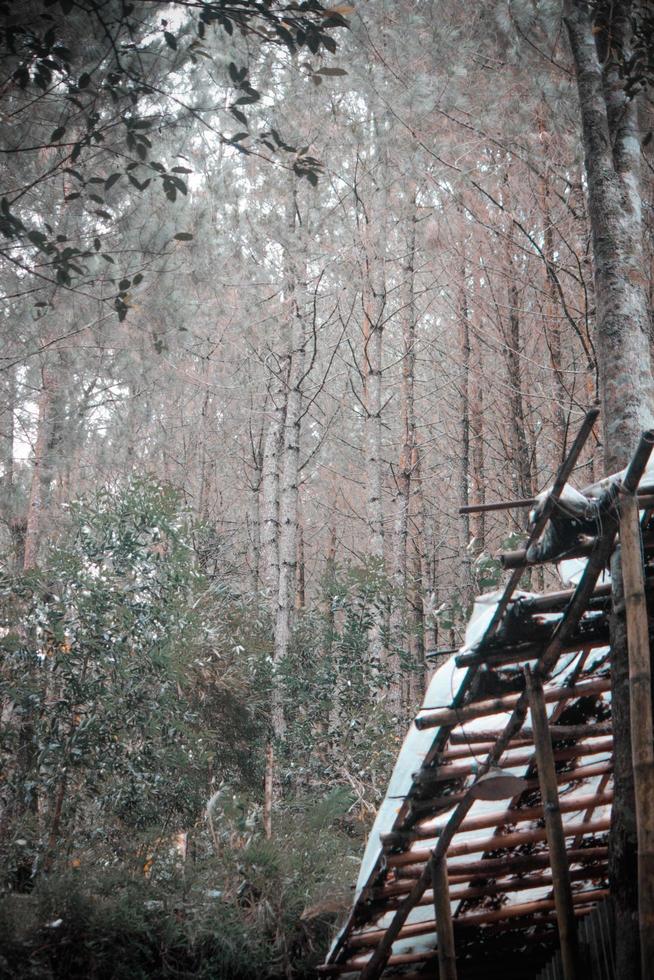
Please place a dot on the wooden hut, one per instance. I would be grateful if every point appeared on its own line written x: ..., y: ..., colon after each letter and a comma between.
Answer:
x: 489, y: 854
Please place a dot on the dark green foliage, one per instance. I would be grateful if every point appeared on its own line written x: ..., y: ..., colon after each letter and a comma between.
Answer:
x: 139, y: 690
x: 84, y: 83
x: 258, y: 909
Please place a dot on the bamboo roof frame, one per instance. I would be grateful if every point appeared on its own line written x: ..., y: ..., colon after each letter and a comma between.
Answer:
x: 403, y: 877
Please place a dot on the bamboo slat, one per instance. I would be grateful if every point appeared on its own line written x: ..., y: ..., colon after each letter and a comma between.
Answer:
x: 503, y: 887
x: 498, y: 842
x: 499, y: 818
x: 374, y: 936
x: 435, y: 717
x: 501, y: 867
x: 510, y: 760
x: 557, y: 732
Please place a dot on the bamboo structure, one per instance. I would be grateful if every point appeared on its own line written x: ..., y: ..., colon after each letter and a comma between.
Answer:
x: 503, y: 887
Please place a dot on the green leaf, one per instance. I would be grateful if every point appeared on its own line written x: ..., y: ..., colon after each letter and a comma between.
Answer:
x: 84, y: 80
x: 239, y: 115
x: 37, y: 238
x: 171, y: 40
x: 111, y: 180
x: 57, y: 134
x: 333, y: 72
x: 184, y: 236
x: 140, y: 185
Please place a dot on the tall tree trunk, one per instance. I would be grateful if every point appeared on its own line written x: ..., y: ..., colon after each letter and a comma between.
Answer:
x: 466, y: 581
x: 521, y: 462
x: 254, y: 516
x: 14, y: 520
x: 41, y: 469
x: 207, y: 458
x: 612, y: 158
x: 289, y: 469
x: 300, y: 578
x: 290, y: 462
x: 552, y: 323
x: 423, y: 595
x: 402, y: 594
x: 329, y: 627
x: 269, y: 504
x: 374, y: 312
x: 477, y: 441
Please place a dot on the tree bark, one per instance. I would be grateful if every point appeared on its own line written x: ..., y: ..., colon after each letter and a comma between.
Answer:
x: 269, y: 506
x: 254, y: 515
x: 403, y: 595
x: 522, y: 468
x: 466, y: 581
x: 41, y: 470
x: 612, y: 160
x: 290, y: 463
x: 374, y: 311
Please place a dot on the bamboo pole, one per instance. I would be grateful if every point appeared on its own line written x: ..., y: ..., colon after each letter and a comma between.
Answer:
x: 645, y: 500
x: 509, y: 760
x: 487, y: 868
x: 488, y: 889
x: 524, y: 652
x: 640, y: 707
x: 497, y: 505
x: 516, y: 560
x: 435, y: 717
x: 486, y: 917
x: 517, y: 839
x: 463, y: 750
x: 498, y: 819
x: 443, y: 916
x: 430, y: 805
x: 589, y: 730
x: 554, y: 826
x: 529, y: 908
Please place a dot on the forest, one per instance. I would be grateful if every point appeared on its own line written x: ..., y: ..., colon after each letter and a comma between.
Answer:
x: 284, y: 286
